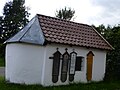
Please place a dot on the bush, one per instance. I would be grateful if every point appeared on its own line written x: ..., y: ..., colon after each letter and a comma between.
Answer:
x: 2, y: 50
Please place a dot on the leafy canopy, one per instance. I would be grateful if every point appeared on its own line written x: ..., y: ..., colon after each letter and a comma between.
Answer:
x: 112, y: 35
x: 66, y: 13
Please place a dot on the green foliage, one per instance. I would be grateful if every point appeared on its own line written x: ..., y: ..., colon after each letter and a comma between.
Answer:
x: 112, y: 35
x: 2, y: 62
x: 2, y: 54
x: 104, y: 31
x: 66, y: 13
x: 15, y: 16
x: 114, y: 56
x: 2, y: 50
x: 1, y: 29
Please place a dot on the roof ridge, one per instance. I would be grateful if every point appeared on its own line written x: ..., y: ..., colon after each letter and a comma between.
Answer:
x: 28, y: 28
x: 63, y: 20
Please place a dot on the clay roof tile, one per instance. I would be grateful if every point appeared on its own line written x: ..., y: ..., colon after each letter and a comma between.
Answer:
x: 67, y: 32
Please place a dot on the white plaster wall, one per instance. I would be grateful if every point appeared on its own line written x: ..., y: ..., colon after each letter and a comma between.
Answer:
x: 24, y: 63
x: 30, y: 64
x: 80, y: 76
x: 99, y: 65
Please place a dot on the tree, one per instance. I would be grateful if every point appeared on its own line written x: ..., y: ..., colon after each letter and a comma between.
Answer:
x: 66, y: 13
x: 1, y: 28
x: 15, y: 16
x: 112, y: 35
x: 104, y: 31
x: 113, y: 57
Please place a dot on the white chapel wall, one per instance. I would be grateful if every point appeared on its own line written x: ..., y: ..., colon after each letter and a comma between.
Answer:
x: 24, y: 63
x: 30, y: 64
x: 99, y: 65
x: 80, y: 76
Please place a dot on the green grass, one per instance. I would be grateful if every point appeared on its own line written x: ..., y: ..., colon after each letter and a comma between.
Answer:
x: 90, y: 86
x: 113, y: 85
x: 2, y: 62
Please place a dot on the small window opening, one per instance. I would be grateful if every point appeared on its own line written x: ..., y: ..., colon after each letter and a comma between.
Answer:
x: 79, y: 62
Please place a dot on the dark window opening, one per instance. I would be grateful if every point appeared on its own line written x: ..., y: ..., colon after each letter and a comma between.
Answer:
x: 78, y: 64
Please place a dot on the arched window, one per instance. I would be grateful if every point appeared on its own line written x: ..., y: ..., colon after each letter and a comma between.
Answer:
x: 72, y: 65
x: 56, y: 66
x: 64, y: 69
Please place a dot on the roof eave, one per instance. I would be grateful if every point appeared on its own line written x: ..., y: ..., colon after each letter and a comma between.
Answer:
x: 49, y: 42
x: 111, y: 48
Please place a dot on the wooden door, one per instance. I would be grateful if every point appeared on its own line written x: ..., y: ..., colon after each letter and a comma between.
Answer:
x: 89, y: 65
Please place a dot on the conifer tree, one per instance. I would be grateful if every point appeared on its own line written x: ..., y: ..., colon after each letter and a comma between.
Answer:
x: 15, y: 16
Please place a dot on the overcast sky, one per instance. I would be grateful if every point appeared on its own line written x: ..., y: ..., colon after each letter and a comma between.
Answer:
x: 86, y: 11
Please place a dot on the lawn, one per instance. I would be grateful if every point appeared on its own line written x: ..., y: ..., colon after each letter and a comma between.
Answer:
x: 115, y: 85
x: 91, y: 86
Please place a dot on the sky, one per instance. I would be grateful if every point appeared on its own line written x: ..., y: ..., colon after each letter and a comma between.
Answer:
x: 90, y: 12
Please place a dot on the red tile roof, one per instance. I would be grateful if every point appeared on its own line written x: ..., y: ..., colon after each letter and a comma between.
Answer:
x: 68, y: 32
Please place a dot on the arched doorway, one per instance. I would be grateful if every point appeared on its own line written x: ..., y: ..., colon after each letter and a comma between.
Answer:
x: 89, y: 65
